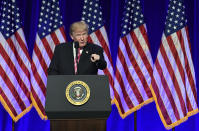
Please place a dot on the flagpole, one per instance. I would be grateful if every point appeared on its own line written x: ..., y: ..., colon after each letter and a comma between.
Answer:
x: 135, y: 121
x: 13, y: 125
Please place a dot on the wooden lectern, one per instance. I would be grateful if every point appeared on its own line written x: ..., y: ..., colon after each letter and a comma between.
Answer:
x: 89, y: 115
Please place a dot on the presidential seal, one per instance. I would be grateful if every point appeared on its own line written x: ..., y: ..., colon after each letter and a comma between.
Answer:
x: 77, y: 92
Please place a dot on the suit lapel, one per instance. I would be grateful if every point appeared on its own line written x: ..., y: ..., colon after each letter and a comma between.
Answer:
x: 71, y: 57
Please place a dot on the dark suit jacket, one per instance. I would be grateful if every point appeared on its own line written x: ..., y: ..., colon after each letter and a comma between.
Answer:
x: 63, y: 60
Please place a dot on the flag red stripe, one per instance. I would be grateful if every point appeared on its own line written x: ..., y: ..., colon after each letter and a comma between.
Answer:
x: 173, y: 77
x: 130, y: 79
x: 188, y: 70
x: 188, y: 38
x: 192, y: 85
x: 136, y: 67
x: 176, y: 57
x: 161, y: 103
x: 47, y: 47
x: 166, y: 88
x: 38, y: 101
x: 122, y: 86
x: 63, y: 33
x: 140, y: 49
x: 106, y: 71
x: 15, y: 72
x: 8, y: 103
x: 12, y: 89
x: 189, y: 75
x: 54, y: 38
x: 18, y: 57
x: 22, y: 45
x: 104, y: 45
x: 144, y: 59
x: 41, y: 59
x: 189, y: 106
x: 38, y: 78
x: 145, y: 36
x: 117, y: 97
x: 90, y: 40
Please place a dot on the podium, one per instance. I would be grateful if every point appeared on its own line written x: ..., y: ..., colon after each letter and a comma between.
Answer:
x: 68, y: 113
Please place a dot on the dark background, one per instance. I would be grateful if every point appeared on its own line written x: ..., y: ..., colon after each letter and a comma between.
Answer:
x: 155, y: 14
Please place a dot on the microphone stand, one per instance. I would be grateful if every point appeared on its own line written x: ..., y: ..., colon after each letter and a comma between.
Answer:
x: 76, y: 57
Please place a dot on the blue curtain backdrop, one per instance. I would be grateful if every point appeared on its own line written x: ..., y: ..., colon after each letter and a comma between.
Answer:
x: 154, y: 13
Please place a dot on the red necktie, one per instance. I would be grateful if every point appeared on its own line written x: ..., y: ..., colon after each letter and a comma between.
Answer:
x: 77, y: 60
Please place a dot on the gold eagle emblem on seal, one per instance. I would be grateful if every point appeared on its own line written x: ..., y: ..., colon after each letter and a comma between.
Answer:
x: 77, y: 92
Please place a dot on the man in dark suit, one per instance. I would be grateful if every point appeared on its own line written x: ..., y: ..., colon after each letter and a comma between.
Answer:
x: 78, y: 57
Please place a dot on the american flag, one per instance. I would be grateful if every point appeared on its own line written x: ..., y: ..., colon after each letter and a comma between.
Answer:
x: 173, y: 82
x: 15, y: 62
x: 92, y: 15
x: 134, y: 62
x: 50, y: 33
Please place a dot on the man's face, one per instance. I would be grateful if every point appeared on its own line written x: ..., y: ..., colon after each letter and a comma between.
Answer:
x: 80, y: 36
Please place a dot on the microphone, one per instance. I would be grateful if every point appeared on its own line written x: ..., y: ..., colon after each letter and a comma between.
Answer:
x: 76, y: 48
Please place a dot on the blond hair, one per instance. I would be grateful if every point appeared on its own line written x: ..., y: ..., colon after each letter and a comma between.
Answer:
x: 78, y: 25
